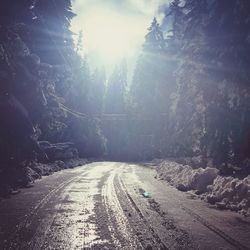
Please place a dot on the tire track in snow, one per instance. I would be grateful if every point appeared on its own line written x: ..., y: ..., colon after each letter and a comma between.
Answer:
x: 141, y: 215
x: 14, y: 240
x: 121, y: 232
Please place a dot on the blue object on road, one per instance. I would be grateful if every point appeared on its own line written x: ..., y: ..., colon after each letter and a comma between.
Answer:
x: 146, y: 194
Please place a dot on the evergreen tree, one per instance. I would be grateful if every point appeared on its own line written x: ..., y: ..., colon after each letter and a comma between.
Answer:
x: 51, y: 27
x: 116, y: 90
x: 176, y: 14
x: 115, y: 129
x: 151, y: 90
x: 154, y: 40
x: 97, y: 91
x: 27, y: 86
x: 82, y: 127
x: 47, y: 99
x: 211, y: 76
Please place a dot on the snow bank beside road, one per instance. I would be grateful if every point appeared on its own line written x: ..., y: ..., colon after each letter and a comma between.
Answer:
x: 25, y: 176
x: 230, y: 193
x: 222, y: 192
x: 184, y: 178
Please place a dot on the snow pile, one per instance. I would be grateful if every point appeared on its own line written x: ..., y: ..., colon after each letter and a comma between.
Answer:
x: 47, y: 169
x: 222, y: 192
x: 184, y: 178
x: 26, y: 174
x: 230, y: 193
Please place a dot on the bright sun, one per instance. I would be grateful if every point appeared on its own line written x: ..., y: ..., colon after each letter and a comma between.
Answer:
x: 109, y: 37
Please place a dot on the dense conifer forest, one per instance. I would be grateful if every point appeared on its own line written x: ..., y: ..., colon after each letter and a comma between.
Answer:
x: 189, y: 95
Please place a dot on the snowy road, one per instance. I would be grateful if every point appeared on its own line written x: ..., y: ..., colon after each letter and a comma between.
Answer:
x: 101, y: 206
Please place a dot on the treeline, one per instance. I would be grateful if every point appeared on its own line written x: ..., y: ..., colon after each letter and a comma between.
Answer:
x: 45, y: 87
x: 190, y: 94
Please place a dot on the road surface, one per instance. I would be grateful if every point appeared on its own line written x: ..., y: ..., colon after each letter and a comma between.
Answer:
x: 102, y: 206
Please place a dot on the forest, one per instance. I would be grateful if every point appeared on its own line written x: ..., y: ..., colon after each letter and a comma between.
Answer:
x: 189, y: 96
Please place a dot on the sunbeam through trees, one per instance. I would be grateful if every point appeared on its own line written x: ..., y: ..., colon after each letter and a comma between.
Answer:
x: 127, y: 81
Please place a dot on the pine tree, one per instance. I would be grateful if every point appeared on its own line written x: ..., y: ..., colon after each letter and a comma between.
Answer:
x: 116, y: 90
x: 176, y: 13
x: 51, y: 27
x: 115, y: 129
x: 211, y: 75
x: 25, y: 86
x: 154, y: 40
x: 97, y: 91
x: 151, y: 90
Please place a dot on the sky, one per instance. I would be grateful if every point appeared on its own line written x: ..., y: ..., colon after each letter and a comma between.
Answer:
x: 113, y: 29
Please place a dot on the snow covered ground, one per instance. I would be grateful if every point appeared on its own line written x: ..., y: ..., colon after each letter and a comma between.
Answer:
x: 222, y: 192
x: 25, y: 176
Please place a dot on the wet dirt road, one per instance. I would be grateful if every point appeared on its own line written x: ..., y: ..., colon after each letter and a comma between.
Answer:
x: 101, y: 206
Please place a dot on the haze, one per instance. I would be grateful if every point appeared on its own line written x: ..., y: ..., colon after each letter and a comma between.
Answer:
x: 112, y: 30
